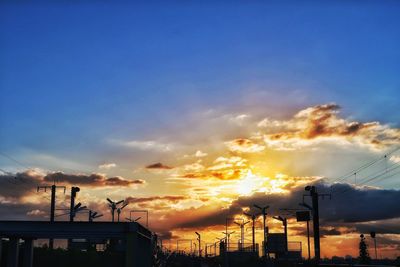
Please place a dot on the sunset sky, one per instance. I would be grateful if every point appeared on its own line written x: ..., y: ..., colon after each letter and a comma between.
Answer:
x: 196, y: 111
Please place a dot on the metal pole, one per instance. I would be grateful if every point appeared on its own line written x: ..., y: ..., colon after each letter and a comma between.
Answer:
x: 52, y: 211
x: 314, y: 196
x: 199, y: 246
x: 241, y: 235
x: 72, y: 205
x: 53, y: 202
x: 308, y: 240
x: 265, y: 234
x: 286, y: 234
x: 253, y: 234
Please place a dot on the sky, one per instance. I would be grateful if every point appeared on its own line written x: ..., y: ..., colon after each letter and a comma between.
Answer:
x: 195, y: 110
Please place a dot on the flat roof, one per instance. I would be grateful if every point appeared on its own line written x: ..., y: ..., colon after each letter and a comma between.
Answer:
x: 65, y: 230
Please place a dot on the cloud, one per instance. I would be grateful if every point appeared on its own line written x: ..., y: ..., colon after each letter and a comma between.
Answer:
x: 169, y: 198
x: 36, y: 213
x: 200, y: 154
x: 107, y: 166
x: 13, y: 187
x: 145, y: 145
x: 321, y: 123
x: 367, y: 204
x: 158, y: 165
x: 395, y: 159
x: 94, y: 179
x: 239, y: 119
x: 244, y: 145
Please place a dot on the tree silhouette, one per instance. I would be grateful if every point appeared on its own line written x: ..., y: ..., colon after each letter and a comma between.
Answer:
x: 364, y: 255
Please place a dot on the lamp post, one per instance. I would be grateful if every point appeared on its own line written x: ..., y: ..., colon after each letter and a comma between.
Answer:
x: 93, y: 215
x: 119, y: 210
x: 199, y: 239
x: 264, y: 214
x: 241, y: 225
x: 113, y: 205
x: 373, y: 235
x: 253, y: 239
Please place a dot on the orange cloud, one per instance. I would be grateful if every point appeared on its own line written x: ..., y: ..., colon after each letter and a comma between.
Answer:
x: 321, y: 123
x: 244, y: 145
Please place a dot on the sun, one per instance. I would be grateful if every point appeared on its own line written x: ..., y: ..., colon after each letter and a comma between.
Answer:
x: 249, y: 184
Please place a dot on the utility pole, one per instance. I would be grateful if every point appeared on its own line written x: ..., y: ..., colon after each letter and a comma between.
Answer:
x: 315, y: 210
x: 74, y: 190
x: 253, y: 219
x: 264, y: 214
x: 199, y: 239
x: 308, y: 240
x: 52, y: 204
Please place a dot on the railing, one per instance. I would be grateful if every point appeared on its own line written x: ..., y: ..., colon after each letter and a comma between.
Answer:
x: 242, y: 247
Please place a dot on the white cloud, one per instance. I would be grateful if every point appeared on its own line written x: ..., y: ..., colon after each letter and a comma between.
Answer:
x: 200, y: 154
x: 107, y: 166
x: 146, y: 145
x: 395, y: 159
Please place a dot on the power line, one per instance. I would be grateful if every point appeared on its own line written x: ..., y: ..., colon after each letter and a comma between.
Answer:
x: 363, y: 167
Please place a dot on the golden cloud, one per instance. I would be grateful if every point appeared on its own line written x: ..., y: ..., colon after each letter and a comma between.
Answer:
x: 321, y: 123
x: 244, y: 145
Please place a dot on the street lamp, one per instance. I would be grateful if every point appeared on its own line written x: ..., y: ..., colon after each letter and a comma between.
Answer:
x: 113, y: 206
x: 373, y: 235
x: 264, y: 214
x: 199, y: 239
x: 241, y: 225
x: 253, y: 219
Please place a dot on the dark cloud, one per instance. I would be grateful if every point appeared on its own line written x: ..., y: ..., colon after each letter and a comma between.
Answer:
x: 155, y: 198
x: 93, y: 179
x: 22, y: 211
x: 166, y: 235
x: 158, y: 165
x: 15, y: 186
x: 19, y: 184
x: 350, y: 205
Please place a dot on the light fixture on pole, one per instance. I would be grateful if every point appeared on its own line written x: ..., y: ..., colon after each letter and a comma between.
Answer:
x: 373, y: 235
x: 93, y: 215
x: 253, y: 219
x: 199, y: 239
x: 241, y: 225
x: 264, y: 214
x: 119, y: 210
x: 113, y: 205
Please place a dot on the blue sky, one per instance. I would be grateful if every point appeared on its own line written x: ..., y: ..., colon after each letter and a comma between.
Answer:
x: 73, y: 76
